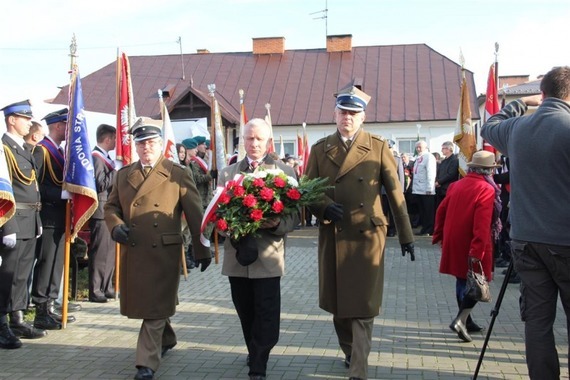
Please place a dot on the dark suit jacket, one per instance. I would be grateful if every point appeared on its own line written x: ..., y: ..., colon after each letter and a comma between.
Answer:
x: 25, y: 222
x: 447, y: 173
x: 104, y: 177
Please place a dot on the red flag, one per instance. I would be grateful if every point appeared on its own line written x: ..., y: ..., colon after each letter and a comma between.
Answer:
x: 491, y: 103
x: 300, y: 151
x: 125, y: 111
x: 306, y: 147
x: 464, y: 136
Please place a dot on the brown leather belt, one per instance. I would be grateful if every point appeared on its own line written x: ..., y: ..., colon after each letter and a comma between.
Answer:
x: 29, y: 206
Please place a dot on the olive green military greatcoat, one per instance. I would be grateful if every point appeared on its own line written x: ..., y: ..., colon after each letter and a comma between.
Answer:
x: 351, y: 251
x: 152, y: 209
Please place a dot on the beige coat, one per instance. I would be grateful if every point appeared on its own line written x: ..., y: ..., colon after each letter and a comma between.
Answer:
x: 351, y: 251
x: 270, y: 244
x: 152, y: 209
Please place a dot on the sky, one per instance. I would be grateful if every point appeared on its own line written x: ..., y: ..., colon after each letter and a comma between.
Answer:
x: 34, y: 44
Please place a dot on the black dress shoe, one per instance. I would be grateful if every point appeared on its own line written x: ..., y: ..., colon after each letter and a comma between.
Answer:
x: 110, y: 294
x: 355, y: 378
x: 7, y: 338
x: 52, y: 311
x: 458, y: 327
x: 97, y: 299
x: 257, y: 377
x: 473, y: 327
x: 347, y: 361
x: 27, y: 331
x: 70, y: 307
x: 144, y: 373
x: 22, y: 329
x: 165, y: 349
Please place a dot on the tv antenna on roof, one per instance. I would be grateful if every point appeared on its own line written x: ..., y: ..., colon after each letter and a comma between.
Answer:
x: 323, y: 15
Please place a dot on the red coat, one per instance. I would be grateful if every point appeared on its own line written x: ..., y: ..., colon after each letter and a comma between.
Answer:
x: 463, y: 224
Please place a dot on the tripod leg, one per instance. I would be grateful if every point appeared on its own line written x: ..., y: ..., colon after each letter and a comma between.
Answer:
x: 494, y: 313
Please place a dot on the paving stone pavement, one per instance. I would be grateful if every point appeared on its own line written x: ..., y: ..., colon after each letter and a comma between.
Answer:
x: 411, y: 338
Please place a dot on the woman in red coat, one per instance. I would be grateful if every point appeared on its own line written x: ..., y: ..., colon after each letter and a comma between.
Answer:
x: 466, y: 223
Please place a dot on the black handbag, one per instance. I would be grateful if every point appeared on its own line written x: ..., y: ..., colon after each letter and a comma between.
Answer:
x: 477, y: 286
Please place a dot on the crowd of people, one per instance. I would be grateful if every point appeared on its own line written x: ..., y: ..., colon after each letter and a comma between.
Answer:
x: 374, y: 193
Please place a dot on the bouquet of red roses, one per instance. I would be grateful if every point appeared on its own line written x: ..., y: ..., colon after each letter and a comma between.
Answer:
x: 239, y: 208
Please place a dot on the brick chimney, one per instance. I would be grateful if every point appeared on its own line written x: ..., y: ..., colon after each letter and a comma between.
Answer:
x: 338, y: 43
x: 202, y: 51
x: 269, y: 45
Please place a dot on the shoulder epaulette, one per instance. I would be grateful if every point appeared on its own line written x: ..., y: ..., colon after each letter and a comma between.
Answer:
x: 320, y: 141
x: 380, y: 138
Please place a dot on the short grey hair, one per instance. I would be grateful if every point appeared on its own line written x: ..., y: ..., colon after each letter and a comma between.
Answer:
x: 481, y: 170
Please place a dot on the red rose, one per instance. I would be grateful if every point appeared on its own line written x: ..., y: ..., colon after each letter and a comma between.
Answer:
x: 222, y: 225
x: 249, y: 201
x: 256, y: 215
x: 279, y: 182
x: 213, y: 217
x: 225, y: 199
x: 277, y: 207
x: 239, y: 191
x: 258, y: 182
x: 266, y: 194
x: 294, y: 194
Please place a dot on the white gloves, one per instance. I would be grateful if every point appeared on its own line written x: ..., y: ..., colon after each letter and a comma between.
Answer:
x: 41, y: 232
x: 9, y: 240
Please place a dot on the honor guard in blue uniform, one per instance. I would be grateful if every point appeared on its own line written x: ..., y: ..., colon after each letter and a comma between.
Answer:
x: 20, y: 233
x: 48, y: 270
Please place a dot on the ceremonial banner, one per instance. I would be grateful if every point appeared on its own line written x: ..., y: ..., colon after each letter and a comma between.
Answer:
x: 300, y: 151
x: 464, y: 136
x: 7, y: 202
x: 169, y: 143
x: 125, y: 112
x: 78, y: 175
x: 491, y: 103
x: 242, y: 122
x: 271, y: 146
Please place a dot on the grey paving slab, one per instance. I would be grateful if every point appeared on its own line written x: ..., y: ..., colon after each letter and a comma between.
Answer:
x: 411, y: 338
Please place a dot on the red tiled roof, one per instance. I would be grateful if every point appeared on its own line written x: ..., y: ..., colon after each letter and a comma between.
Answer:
x: 407, y: 83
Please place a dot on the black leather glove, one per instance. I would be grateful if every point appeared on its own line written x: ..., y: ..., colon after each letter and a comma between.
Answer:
x: 203, y: 263
x: 120, y: 234
x: 408, y: 247
x: 334, y: 212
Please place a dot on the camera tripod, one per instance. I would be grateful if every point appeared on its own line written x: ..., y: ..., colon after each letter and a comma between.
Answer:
x: 494, y: 313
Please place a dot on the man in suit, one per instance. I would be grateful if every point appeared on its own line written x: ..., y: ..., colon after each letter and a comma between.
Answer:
x: 19, y: 234
x: 50, y: 250
x: 353, y: 227
x: 423, y: 187
x: 255, y: 288
x: 144, y: 214
x: 101, y: 247
x: 447, y: 172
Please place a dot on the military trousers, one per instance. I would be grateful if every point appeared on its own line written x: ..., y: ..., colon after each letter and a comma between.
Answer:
x: 355, y: 340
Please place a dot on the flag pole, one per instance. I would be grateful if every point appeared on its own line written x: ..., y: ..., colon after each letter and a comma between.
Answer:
x: 67, y: 245
x: 118, y: 100
x: 214, y: 168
